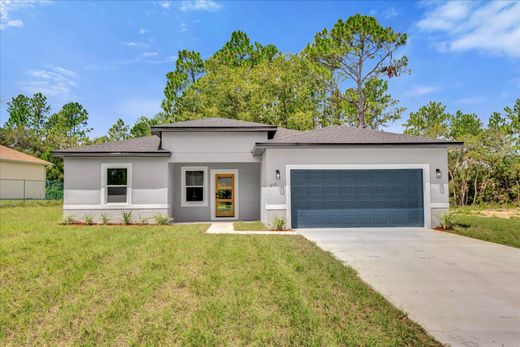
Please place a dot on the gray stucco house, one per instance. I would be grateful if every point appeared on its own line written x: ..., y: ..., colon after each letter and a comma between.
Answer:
x: 221, y: 169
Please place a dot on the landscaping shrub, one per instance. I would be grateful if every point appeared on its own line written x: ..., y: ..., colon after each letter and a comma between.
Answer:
x: 279, y: 224
x: 68, y: 219
x: 447, y: 220
x: 88, y: 219
x: 105, y: 219
x: 143, y: 220
x: 126, y: 217
x: 162, y: 219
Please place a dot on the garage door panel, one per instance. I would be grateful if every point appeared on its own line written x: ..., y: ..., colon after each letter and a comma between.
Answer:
x: 356, y: 198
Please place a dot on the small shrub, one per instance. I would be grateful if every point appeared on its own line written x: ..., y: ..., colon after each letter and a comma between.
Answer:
x: 279, y: 224
x: 127, y: 217
x: 88, y: 219
x: 105, y: 219
x: 68, y: 219
x: 447, y: 221
x: 143, y: 220
x: 162, y: 219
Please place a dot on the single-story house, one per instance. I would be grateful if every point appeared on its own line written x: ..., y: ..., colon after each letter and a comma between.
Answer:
x: 216, y: 169
x: 22, y: 176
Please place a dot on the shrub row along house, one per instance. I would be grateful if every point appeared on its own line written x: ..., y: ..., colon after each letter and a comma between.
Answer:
x: 222, y: 169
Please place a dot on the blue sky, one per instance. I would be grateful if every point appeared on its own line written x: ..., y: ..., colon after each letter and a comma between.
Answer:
x: 112, y: 56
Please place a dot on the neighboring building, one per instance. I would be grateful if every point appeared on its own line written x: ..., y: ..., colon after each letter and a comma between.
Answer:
x: 221, y: 169
x: 22, y: 176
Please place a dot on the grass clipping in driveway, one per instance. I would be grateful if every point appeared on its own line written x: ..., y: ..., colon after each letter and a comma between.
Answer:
x: 163, y: 285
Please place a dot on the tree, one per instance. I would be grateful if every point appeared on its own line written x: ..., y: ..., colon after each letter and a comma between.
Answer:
x: 188, y: 68
x: 358, y: 50
x: 142, y: 127
x: 462, y: 124
x: 39, y: 113
x: 380, y: 108
x: 71, y: 121
x: 239, y: 51
x: 430, y: 120
x: 28, y: 113
x: 19, y: 110
x: 119, y: 131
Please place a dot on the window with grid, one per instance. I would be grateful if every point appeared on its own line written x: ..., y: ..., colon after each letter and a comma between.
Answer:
x: 117, y: 185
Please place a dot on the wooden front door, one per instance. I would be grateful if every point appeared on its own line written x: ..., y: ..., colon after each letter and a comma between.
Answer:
x: 225, y: 195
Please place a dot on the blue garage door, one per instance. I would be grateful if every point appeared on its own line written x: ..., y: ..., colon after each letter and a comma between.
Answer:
x: 356, y: 198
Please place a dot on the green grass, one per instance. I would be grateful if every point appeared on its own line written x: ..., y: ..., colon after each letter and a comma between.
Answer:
x: 251, y: 226
x: 493, y: 229
x: 15, y: 203
x: 176, y: 285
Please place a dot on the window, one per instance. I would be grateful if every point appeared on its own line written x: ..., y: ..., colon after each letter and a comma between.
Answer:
x: 117, y: 185
x: 194, y: 182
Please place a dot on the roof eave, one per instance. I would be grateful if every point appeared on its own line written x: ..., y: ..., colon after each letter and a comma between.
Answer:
x: 43, y: 163
x: 62, y: 154
x: 213, y: 128
x: 259, y: 147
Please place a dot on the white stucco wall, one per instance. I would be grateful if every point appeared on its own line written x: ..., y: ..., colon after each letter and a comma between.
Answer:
x: 212, y: 147
x: 274, y: 192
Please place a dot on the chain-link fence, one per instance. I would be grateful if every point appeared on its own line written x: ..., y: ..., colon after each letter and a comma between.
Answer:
x: 12, y: 189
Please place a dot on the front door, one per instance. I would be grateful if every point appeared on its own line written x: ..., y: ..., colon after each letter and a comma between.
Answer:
x: 225, y: 195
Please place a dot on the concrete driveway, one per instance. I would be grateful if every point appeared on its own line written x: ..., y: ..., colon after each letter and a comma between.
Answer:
x: 463, y: 291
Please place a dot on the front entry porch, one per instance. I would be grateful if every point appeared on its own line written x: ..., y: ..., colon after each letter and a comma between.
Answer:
x: 214, y: 191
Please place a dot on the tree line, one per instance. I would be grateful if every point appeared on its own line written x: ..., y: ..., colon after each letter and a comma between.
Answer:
x: 340, y: 77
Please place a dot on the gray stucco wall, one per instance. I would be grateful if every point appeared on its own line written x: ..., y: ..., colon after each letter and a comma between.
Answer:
x: 248, y: 192
x: 83, y: 187
x: 274, y: 193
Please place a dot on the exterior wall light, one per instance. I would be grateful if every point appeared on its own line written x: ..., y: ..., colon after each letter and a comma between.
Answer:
x: 438, y: 173
x: 277, y: 174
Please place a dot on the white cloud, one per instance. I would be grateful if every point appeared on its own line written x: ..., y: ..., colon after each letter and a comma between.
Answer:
x: 142, y: 31
x: 199, y: 5
x: 137, y: 44
x: 390, y: 13
x: 421, y: 90
x: 149, y: 54
x: 148, y: 58
x: 8, y: 7
x: 166, y: 4
x: 53, y: 81
x: 490, y: 27
x: 184, y: 27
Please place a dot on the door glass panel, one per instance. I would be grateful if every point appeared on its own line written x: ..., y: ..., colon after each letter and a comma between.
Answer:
x: 224, y: 196
x: 224, y: 206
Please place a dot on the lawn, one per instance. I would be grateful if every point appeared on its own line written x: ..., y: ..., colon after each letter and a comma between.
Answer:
x: 499, y: 230
x: 163, y: 285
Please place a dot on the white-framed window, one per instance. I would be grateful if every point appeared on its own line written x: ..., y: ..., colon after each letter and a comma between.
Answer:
x: 194, y: 186
x: 116, y: 183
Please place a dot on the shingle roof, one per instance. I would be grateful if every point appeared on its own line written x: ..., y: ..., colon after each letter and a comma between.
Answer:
x: 140, y: 145
x: 339, y: 134
x: 283, y: 132
x: 215, y: 123
x: 10, y: 154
